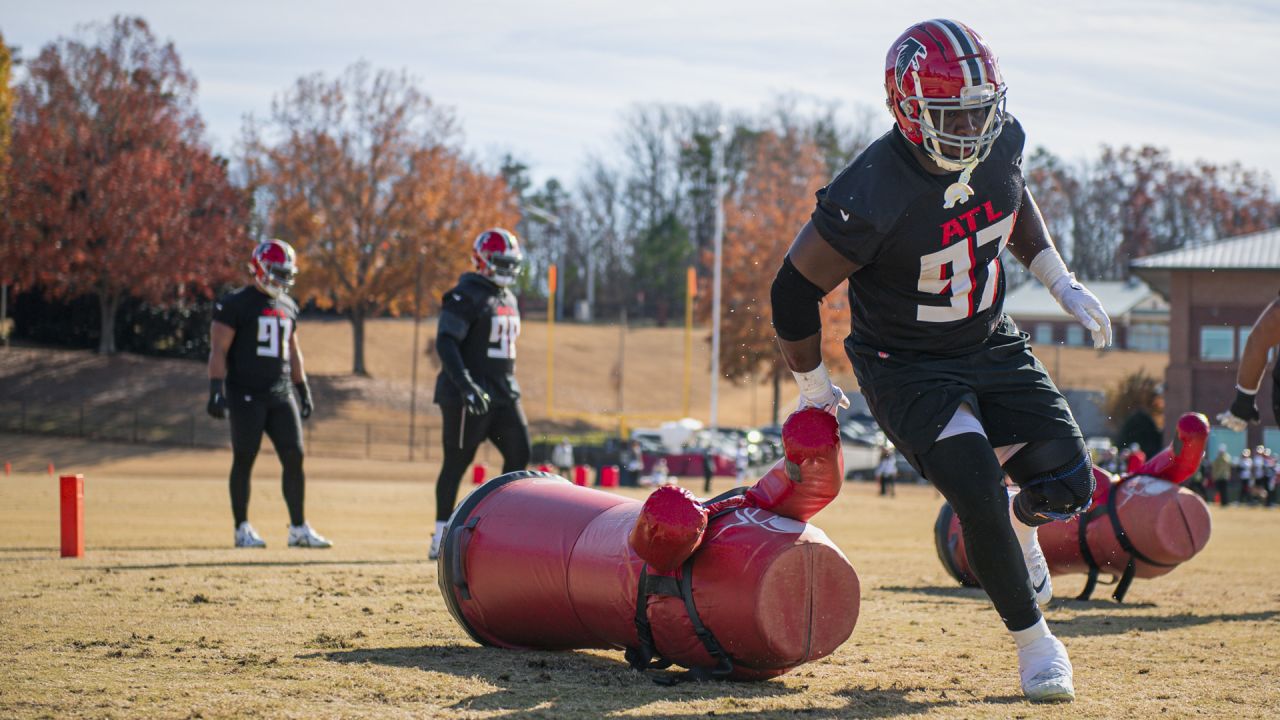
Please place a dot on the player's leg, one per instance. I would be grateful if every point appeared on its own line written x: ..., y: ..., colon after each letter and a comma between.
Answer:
x: 284, y: 427
x: 462, y: 435
x: 509, y: 432
x: 247, y: 419
x: 966, y: 471
x: 1055, y: 477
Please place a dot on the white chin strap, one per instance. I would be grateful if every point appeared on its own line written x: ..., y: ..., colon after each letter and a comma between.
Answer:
x: 502, y: 280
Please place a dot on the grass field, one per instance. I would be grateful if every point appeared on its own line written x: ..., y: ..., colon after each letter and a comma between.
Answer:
x: 162, y: 618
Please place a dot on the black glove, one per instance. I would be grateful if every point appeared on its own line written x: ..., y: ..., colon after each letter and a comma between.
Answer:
x: 1242, y: 412
x: 217, y: 407
x: 476, y: 399
x: 304, y: 399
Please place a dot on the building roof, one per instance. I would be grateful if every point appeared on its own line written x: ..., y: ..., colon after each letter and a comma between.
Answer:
x: 1255, y: 251
x: 1032, y: 300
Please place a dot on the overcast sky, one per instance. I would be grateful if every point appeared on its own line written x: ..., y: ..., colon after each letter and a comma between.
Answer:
x: 548, y: 80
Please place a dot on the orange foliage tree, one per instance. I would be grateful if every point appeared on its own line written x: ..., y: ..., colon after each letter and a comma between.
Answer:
x: 111, y: 191
x: 773, y: 202
x: 363, y: 176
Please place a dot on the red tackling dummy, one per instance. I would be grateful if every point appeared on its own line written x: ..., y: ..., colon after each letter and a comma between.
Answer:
x: 532, y: 561
x: 1141, y: 525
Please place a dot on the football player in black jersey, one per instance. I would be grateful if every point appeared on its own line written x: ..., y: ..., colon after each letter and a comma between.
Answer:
x: 1264, y: 335
x: 255, y: 365
x: 476, y: 390
x: 917, y: 223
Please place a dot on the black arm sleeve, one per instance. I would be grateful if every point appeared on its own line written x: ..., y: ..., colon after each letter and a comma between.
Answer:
x: 451, y: 329
x: 795, y: 304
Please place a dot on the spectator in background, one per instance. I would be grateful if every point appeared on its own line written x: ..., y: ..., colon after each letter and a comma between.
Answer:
x: 632, y: 464
x: 887, y: 472
x: 1244, y: 469
x: 1221, y: 473
x: 740, y: 462
x: 1135, y: 460
x: 562, y: 457
x: 660, y: 476
x: 708, y: 469
x: 1260, y: 473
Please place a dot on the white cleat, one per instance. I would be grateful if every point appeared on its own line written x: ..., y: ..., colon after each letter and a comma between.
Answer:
x: 303, y: 536
x: 247, y: 537
x: 434, y: 552
x: 1038, y: 570
x: 1046, y: 671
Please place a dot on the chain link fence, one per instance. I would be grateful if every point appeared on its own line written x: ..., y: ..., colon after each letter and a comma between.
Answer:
x: 324, y: 438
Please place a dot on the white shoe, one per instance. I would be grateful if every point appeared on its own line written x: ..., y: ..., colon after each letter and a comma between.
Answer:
x: 1046, y: 671
x: 434, y: 552
x: 303, y: 536
x: 1038, y: 570
x: 247, y: 537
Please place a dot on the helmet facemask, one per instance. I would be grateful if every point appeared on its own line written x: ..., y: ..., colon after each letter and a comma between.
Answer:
x: 981, y: 106
x: 503, y: 268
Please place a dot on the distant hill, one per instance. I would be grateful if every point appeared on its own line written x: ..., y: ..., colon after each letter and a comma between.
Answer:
x: 585, y: 365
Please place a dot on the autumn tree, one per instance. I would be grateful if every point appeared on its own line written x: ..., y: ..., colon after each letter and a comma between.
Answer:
x: 363, y: 174
x: 112, y: 192
x: 761, y: 219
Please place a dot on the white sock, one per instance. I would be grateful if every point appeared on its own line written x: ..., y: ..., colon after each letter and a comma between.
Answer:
x: 1026, y: 533
x: 440, y: 528
x: 1025, y: 637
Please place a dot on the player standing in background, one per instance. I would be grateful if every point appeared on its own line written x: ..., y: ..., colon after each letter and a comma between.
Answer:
x: 254, y: 357
x: 917, y: 224
x: 476, y: 390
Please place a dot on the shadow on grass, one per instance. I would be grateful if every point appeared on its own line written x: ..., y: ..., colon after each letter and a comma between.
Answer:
x: 1114, y: 623
x: 250, y: 563
x: 580, y: 684
x: 973, y: 593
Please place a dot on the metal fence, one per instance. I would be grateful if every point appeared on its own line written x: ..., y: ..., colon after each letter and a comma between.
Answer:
x: 120, y: 423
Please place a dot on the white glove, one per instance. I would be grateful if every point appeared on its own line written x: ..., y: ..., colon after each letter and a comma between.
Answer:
x: 817, y: 390
x: 1073, y: 297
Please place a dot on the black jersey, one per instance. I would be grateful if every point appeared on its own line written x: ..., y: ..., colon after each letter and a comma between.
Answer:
x: 258, y: 360
x: 931, y: 279
x: 485, y: 320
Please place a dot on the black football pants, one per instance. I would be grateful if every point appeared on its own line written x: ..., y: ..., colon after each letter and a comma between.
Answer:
x: 278, y: 417
x: 505, y: 426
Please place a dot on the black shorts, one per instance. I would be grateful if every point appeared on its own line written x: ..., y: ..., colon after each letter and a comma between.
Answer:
x: 914, y: 395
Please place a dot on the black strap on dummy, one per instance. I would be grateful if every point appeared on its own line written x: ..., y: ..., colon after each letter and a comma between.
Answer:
x: 1122, y: 537
x: 646, y: 655
x: 1134, y: 554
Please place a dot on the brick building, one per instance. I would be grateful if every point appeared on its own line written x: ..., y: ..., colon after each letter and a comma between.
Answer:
x: 1215, y: 292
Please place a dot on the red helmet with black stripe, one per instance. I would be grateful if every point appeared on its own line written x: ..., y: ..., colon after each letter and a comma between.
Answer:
x: 945, y: 91
x: 496, y: 255
x: 273, y: 266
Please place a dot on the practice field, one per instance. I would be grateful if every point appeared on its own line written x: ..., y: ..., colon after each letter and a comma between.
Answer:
x: 162, y: 618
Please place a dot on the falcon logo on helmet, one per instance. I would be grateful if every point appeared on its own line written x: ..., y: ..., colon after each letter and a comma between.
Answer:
x: 910, y: 53
x: 496, y: 255
x: 274, y: 267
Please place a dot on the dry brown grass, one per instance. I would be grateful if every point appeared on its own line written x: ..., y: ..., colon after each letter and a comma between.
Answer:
x: 163, y: 619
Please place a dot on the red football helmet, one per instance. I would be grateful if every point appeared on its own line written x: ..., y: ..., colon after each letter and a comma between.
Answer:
x: 945, y: 91
x: 273, y: 266
x: 496, y: 255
